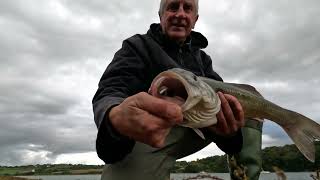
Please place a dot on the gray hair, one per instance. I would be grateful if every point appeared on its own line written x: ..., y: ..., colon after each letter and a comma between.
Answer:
x: 163, y: 2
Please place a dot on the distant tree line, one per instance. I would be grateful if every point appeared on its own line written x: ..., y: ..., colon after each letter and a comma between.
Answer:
x: 288, y: 158
x: 50, y: 169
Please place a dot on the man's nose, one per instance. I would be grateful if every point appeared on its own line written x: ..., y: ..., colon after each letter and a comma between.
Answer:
x: 181, y: 13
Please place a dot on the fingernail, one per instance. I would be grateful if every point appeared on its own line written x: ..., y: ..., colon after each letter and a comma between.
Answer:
x: 172, y: 111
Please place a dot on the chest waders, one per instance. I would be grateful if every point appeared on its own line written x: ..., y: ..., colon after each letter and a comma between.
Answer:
x: 147, y: 163
x: 247, y: 164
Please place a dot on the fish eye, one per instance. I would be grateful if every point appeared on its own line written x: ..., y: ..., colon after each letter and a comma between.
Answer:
x: 195, y: 78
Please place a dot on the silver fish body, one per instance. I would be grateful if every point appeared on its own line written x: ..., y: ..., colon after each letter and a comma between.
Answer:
x: 201, y: 104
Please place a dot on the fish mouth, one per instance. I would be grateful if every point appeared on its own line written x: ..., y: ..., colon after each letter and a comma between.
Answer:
x: 198, y: 102
x: 171, y: 86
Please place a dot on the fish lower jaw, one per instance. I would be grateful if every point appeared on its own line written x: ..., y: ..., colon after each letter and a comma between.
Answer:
x: 202, y: 124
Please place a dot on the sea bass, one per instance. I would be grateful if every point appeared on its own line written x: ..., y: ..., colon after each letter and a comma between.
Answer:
x: 199, y: 102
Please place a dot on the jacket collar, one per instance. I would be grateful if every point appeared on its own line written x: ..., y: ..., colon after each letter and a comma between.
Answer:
x: 195, y: 40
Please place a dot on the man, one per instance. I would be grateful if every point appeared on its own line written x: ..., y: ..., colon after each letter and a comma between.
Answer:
x: 138, y: 134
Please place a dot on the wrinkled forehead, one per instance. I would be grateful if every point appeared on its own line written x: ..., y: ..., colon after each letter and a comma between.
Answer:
x: 181, y: 1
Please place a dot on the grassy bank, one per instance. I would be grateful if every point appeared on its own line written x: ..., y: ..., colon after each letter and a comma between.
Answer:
x: 13, y: 178
x: 53, y: 169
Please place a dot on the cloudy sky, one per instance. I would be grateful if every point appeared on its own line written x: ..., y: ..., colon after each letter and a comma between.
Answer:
x: 54, y: 52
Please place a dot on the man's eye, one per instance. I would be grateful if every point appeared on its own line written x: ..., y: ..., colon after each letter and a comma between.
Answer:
x: 187, y: 7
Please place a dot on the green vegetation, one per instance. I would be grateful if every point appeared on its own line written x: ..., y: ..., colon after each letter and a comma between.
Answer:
x: 209, y: 164
x: 50, y: 169
x: 288, y: 158
x: 12, y: 178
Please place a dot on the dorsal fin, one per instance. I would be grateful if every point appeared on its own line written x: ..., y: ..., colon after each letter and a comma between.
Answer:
x: 247, y: 87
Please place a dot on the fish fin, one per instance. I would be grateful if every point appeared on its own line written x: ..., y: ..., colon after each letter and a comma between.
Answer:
x: 304, y: 134
x: 199, y: 133
x: 258, y: 119
x: 247, y: 87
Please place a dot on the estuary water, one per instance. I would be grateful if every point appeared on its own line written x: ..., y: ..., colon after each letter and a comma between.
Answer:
x: 182, y: 176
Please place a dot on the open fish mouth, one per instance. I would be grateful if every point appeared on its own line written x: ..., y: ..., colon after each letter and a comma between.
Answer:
x: 170, y: 87
x: 198, y: 101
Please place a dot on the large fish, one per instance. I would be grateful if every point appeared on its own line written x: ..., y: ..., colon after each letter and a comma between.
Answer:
x: 200, y: 104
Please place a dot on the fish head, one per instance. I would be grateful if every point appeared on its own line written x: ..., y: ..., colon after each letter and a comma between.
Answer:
x: 198, y: 101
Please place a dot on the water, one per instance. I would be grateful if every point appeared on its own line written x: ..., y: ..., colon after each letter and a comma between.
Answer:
x: 264, y: 176
x: 225, y: 176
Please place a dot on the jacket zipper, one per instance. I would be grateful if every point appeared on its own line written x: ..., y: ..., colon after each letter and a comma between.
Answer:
x: 180, y: 57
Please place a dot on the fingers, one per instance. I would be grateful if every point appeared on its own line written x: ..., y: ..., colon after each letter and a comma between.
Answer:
x: 139, y: 125
x: 150, y: 129
x: 170, y: 111
x: 231, y: 116
x: 222, y: 123
x: 145, y: 118
x: 157, y: 140
x: 227, y: 114
x: 237, y: 109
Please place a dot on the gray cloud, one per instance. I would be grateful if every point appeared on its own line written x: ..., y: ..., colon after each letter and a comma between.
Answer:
x: 54, y: 52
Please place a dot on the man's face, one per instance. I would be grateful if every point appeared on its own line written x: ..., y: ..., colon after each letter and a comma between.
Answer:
x: 178, y: 19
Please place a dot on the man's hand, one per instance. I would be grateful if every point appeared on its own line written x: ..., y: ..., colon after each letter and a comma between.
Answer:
x: 230, y: 117
x: 145, y: 118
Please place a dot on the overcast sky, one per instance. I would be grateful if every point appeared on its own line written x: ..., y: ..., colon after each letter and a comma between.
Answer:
x: 54, y: 52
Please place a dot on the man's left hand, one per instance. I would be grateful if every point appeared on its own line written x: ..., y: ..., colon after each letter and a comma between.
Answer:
x: 230, y: 117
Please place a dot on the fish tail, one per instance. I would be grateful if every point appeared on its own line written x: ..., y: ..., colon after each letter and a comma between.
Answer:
x: 304, y: 132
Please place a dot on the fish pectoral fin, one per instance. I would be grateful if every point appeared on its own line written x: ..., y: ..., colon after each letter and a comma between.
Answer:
x: 247, y: 87
x: 199, y: 132
x: 258, y: 119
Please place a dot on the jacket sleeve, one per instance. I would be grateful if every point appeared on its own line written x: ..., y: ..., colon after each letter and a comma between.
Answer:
x: 122, y: 78
x: 229, y: 145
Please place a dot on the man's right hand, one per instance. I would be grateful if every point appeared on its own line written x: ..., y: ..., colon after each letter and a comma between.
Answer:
x: 145, y: 118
